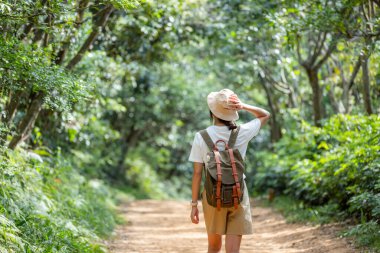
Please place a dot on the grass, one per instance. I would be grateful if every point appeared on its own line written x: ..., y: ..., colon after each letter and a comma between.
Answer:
x: 296, y: 211
x: 365, y: 234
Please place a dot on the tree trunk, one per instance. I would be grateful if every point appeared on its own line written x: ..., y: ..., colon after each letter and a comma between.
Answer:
x: 337, y: 104
x: 275, y: 130
x: 28, y: 27
x: 11, y: 107
x: 27, y: 123
x: 312, y: 74
x: 346, y: 97
x: 39, y: 33
x: 292, y: 101
x: 5, y: 31
x: 82, y: 5
x: 130, y: 140
x: 366, y: 85
x: 101, y: 21
x: 62, y: 53
x: 334, y: 103
x: 312, y: 66
x: 35, y: 107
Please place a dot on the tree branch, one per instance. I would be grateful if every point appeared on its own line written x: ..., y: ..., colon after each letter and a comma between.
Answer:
x: 35, y: 14
x: 101, y: 21
x: 354, y: 73
x: 318, y: 48
x: 329, y: 51
x: 61, y: 55
x: 22, y: 17
x: 28, y: 27
x: 298, y: 51
x: 277, y: 85
x: 316, y: 43
x: 338, y: 64
x: 281, y: 87
x: 364, y: 12
x: 309, y: 52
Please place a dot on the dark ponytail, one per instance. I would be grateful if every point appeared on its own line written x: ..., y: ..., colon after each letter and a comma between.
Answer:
x: 230, y: 124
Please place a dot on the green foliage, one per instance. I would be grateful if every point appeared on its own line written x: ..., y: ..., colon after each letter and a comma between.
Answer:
x: 144, y: 180
x: 48, y: 207
x: 298, y: 211
x: 338, y: 164
x: 366, y: 233
x: 10, y: 239
x: 125, y: 4
x: 27, y: 68
x: 128, y: 111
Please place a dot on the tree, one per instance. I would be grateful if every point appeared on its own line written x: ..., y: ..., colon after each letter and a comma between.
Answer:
x: 52, y: 17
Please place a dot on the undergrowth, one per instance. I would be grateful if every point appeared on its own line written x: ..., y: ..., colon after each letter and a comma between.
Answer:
x: 332, y: 172
x: 47, y: 206
x: 298, y: 211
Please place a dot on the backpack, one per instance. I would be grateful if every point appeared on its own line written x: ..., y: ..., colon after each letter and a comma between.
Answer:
x: 224, y: 170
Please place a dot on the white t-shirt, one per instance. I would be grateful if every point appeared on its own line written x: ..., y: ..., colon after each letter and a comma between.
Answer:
x: 247, y: 131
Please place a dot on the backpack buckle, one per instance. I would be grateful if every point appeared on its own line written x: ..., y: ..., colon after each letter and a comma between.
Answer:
x: 225, y: 144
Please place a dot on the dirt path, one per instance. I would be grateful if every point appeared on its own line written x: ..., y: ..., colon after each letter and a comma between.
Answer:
x: 165, y: 227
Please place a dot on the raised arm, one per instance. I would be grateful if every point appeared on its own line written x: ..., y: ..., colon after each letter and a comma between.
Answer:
x: 260, y: 113
x: 236, y: 104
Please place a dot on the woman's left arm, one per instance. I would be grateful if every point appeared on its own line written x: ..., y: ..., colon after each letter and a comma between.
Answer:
x: 195, y: 187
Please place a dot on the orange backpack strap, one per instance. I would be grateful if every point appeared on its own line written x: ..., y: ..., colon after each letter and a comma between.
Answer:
x: 234, y: 172
x: 235, y: 197
x: 219, y: 179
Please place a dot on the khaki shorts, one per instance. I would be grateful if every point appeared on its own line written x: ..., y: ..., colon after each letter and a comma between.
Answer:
x: 228, y: 220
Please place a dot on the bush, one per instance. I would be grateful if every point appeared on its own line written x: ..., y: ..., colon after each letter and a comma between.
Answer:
x: 143, y: 180
x: 338, y: 163
x: 366, y: 233
x: 47, y: 206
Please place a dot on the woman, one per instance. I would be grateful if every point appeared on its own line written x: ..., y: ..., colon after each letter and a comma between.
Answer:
x: 224, y: 106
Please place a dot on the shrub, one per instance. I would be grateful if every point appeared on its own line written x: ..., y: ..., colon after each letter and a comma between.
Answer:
x: 47, y: 206
x: 338, y: 163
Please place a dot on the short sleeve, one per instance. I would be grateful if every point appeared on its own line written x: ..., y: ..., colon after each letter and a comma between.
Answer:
x: 195, y: 153
x: 250, y: 129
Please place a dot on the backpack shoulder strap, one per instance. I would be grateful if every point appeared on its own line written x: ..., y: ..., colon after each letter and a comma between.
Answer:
x: 233, y: 137
x: 206, y: 137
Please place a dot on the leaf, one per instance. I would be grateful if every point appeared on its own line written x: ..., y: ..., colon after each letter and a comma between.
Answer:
x: 72, y: 133
x: 342, y: 169
x: 340, y: 46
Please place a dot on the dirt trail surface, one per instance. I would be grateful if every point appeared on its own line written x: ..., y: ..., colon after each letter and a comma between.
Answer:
x: 165, y: 227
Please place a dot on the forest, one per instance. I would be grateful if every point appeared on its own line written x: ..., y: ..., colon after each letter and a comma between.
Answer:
x: 100, y: 100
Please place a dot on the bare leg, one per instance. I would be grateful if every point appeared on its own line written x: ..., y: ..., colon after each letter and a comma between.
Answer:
x: 233, y: 243
x: 214, y: 243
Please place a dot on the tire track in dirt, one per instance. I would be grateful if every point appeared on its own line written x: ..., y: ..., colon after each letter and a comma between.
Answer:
x: 164, y: 226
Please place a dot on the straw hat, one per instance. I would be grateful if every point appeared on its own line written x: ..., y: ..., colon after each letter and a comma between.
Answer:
x: 218, y: 104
